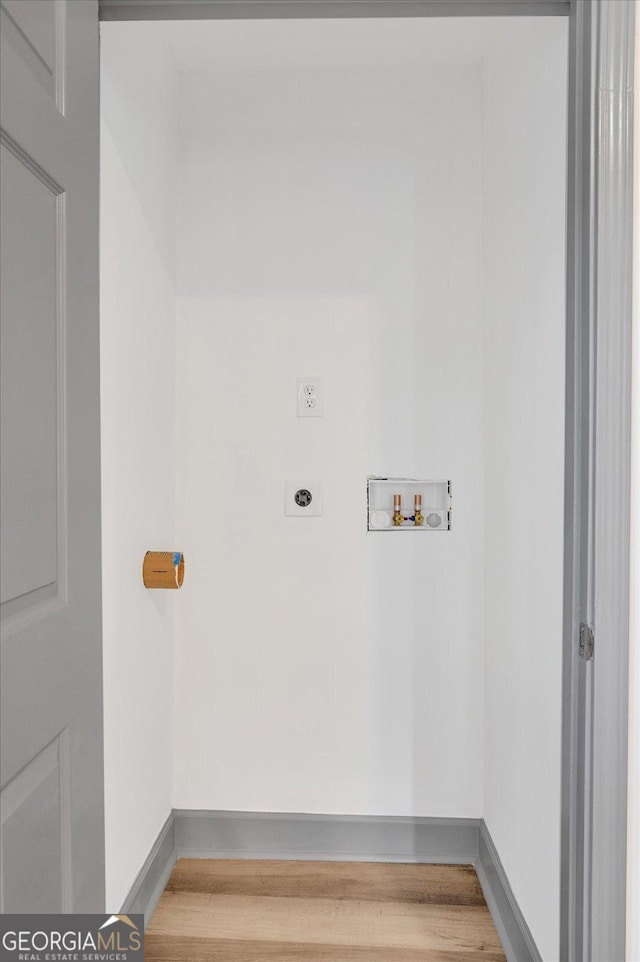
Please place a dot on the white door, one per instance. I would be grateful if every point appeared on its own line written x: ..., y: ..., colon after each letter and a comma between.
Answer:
x: 51, y: 801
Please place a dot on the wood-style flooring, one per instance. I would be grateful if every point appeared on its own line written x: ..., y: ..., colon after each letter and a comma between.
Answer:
x: 266, y: 911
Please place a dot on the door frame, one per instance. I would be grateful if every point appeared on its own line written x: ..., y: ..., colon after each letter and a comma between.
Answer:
x: 597, y: 480
x: 597, y: 417
x: 321, y: 9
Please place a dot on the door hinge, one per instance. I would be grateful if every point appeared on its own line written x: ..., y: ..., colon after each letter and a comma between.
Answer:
x: 585, y: 648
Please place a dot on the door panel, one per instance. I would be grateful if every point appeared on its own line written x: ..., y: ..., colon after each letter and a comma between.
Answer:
x: 35, y: 31
x: 29, y: 386
x: 36, y: 836
x: 51, y: 775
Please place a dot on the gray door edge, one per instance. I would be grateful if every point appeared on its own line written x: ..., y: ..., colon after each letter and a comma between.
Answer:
x: 577, y: 451
x: 598, y: 462
x: 612, y: 501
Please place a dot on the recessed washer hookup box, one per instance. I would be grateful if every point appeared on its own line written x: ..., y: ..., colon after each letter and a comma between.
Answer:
x: 407, y: 504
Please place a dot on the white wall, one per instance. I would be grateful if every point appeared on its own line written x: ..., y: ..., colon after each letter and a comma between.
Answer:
x: 524, y: 356
x: 137, y: 265
x: 329, y: 225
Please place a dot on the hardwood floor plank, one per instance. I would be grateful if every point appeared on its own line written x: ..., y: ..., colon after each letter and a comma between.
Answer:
x: 374, y: 881
x: 275, y: 911
x: 184, y: 949
x: 324, y: 921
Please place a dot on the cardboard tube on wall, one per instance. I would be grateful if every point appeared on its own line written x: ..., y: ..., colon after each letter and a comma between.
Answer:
x: 163, y: 569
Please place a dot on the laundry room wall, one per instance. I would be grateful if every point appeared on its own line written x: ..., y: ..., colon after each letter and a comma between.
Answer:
x: 524, y: 204
x: 137, y: 324
x: 329, y: 225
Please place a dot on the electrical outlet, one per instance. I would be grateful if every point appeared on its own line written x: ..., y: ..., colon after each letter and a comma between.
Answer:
x: 303, y: 499
x: 309, y: 397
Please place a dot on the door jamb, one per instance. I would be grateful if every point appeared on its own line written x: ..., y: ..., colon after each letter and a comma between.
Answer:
x: 578, y: 452
x: 325, y: 9
x: 597, y: 481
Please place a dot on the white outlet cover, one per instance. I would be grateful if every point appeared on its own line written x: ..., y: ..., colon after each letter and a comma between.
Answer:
x: 313, y: 509
x: 309, y: 397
